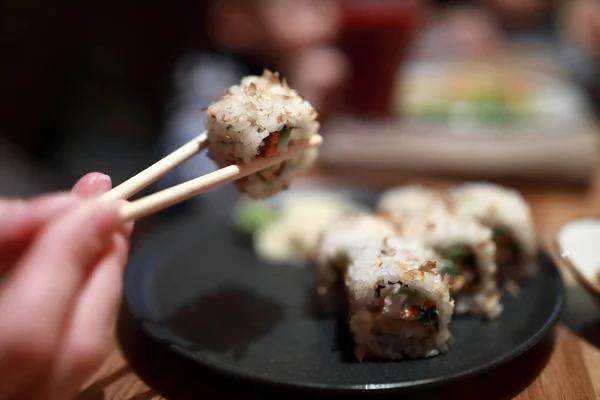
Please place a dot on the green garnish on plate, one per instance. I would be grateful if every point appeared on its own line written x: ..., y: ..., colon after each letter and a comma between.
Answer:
x: 252, y: 216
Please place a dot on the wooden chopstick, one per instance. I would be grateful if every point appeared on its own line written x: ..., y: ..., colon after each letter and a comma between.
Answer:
x: 160, y: 200
x: 157, y: 170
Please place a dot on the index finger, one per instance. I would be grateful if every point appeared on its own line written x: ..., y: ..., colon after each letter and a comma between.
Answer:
x: 22, y: 218
x: 36, y: 298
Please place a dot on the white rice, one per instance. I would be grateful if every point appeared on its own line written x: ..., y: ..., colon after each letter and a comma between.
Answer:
x: 402, y: 202
x: 344, y: 236
x: 373, y: 280
x: 499, y: 207
x: 441, y: 230
x: 239, y: 122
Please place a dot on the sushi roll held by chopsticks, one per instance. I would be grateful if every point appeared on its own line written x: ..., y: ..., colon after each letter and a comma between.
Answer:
x: 260, y: 133
x: 260, y: 118
x: 399, y: 305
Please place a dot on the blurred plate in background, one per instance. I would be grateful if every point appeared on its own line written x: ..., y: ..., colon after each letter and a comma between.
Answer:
x: 477, y: 98
x: 471, y: 121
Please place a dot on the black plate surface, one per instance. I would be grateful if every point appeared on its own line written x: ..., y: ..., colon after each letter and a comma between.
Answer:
x: 195, y: 287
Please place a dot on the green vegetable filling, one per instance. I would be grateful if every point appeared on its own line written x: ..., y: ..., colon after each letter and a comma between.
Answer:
x: 430, y: 318
x: 460, y: 261
x: 284, y: 139
x: 413, y: 298
x: 461, y: 256
x: 449, y: 268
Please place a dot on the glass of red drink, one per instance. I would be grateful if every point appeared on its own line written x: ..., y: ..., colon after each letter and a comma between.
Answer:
x: 376, y: 37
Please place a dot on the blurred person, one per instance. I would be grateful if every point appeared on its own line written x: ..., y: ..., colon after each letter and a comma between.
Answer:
x: 462, y: 32
x: 579, y: 28
x: 61, y: 262
x: 518, y: 14
x: 483, y: 28
x: 581, y: 25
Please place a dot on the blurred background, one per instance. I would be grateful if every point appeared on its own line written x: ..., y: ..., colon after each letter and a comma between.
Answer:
x: 489, y: 89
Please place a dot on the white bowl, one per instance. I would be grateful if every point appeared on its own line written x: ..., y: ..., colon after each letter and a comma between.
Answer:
x: 577, y: 243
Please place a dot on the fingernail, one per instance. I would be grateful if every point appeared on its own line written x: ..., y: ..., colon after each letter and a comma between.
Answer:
x: 101, y: 183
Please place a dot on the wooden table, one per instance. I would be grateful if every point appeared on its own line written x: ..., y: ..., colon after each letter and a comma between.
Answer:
x: 565, y: 365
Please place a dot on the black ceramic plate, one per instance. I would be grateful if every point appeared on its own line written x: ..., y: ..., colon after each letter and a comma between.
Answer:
x: 206, y: 295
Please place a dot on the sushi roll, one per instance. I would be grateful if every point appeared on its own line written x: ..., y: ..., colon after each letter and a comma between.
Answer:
x: 261, y: 117
x: 399, y: 305
x: 403, y: 202
x: 467, y: 254
x: 345, y: 235
x: 508, y: 215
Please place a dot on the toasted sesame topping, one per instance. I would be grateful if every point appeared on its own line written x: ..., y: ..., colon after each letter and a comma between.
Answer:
x: 428, y: 266
x: 251, y: 89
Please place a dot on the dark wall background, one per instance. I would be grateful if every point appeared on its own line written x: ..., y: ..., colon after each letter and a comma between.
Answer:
x: 57, y: 56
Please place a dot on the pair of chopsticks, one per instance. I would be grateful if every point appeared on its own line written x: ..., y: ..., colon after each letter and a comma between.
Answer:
x: 160, y: 200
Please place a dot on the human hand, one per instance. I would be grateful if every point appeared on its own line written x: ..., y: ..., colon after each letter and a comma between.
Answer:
x: 63, y: 256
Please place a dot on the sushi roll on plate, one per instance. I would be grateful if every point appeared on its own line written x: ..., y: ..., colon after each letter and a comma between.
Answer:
x: 467, y: 254
x: 347, y: 234
x: 508, y: 215
x: 261, y: 117
x: 402, y: 202
x: 399, y: 305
